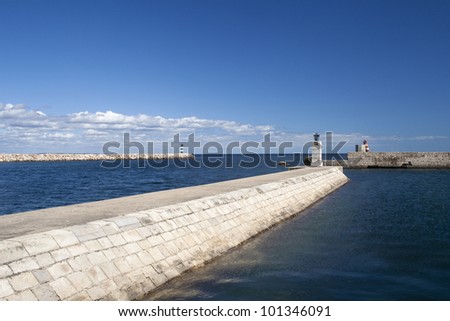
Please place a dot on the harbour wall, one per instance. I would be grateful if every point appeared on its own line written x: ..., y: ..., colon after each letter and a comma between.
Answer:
x: 125, y: 254
x: 86, y: 157
x: 398, y: 160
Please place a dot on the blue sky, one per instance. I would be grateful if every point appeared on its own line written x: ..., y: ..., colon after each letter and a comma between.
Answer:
x: 76, y: 74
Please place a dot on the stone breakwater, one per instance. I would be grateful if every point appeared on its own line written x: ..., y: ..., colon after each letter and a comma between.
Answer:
x: 85, y: 157
x: 125, y: 257
x: 399, y: 160
x: 393, y: 160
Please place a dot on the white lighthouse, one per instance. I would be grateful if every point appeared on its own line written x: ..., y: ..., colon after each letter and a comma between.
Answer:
x: 316, y: 152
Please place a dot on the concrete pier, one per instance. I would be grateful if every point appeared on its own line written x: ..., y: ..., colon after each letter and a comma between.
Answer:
x: 123, y: 248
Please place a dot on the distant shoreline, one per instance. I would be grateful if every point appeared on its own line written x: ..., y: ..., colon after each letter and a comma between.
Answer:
x: 48, y: 157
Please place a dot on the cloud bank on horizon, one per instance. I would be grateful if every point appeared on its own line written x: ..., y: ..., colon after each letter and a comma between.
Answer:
x: 27, y: 130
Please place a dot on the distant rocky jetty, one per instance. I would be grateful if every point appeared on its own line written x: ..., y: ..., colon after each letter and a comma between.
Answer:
x: 85, y: 157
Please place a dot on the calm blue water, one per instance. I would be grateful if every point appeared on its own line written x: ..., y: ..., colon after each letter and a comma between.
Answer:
x: 383, y: 236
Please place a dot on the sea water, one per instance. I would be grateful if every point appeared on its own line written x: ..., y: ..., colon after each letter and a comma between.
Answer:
x: 385, y: 235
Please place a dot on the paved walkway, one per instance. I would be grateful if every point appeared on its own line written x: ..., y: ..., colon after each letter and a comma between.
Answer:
x: 18, y: 224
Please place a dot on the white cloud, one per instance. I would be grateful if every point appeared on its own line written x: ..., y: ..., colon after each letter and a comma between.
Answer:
x: 94, y: 132
x: 88, y: 131
x: 111, y: 120
x: 19, y: 116
x: 60, y: 135
x: 402, y: 138
x: 10, y: 111
x: 26, y: 130
x: 428, y: 137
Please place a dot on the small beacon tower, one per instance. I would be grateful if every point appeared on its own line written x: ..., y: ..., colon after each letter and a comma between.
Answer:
x: 316, y: 152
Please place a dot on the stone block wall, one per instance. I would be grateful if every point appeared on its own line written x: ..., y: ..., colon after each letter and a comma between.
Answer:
x: 125, y: 257
x: 399, y: 159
